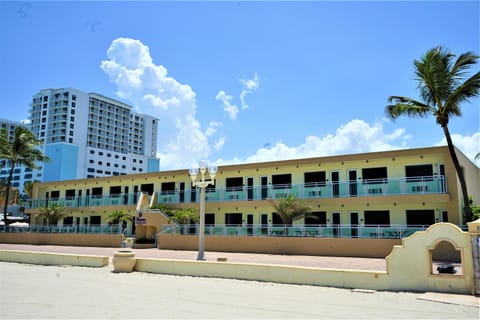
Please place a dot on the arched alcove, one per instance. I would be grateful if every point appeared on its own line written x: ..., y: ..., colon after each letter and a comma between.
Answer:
x: 445, y: 258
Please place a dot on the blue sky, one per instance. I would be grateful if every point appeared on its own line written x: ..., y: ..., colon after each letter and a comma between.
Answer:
x: 237, y: 82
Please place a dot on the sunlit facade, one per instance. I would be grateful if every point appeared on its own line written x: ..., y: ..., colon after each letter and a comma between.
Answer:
x: 400, y: 187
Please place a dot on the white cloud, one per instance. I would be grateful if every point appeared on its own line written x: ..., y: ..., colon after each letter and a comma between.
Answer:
x: 230, y: 109
x: 149, y: 88
x: 469, y: 145
x: 212, y: 128
x: 354, y: 137
x: 249, y: 86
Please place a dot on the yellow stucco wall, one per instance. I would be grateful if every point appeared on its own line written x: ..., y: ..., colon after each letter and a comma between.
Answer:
x: 395, y: 161
x: 409, y: 267
x: 55, y: 259
x: 341, y: 247
x: 64, y: 239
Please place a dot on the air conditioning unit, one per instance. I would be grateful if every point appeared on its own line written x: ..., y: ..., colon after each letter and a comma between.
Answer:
x: 375, y: 191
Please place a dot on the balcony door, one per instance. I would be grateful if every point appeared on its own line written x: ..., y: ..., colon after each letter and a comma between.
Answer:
x: 250, y: 188
x: 352, y: 183
x: 335, y: 180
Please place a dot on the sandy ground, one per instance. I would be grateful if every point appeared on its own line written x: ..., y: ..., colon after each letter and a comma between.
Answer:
x: 36, y: 292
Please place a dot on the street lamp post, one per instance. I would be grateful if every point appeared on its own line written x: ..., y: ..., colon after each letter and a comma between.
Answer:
x: 202, y: 183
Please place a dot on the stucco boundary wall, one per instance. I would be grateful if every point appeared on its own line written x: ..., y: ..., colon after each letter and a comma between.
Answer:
x: 339, y: 247
x: 53, y: 259
x: 63, y: 239
x: 409, y: 267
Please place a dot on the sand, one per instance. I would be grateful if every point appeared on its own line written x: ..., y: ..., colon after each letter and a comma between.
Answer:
x: 59, y: 292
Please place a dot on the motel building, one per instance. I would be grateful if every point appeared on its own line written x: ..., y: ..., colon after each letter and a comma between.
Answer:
x: 388, y: 194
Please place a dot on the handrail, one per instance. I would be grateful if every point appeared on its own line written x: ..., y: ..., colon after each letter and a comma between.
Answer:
x: 323, y: 190
x: 319, y: 231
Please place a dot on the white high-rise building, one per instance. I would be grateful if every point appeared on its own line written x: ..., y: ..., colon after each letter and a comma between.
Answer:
x: 87, y: 135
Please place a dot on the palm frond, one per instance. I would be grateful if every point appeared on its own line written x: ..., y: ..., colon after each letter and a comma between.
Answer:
x: 468, y: 89
x: 406, y: 106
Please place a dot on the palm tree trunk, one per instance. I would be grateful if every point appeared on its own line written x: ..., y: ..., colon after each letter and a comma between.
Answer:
x: 456, y: 163
x: 7, y: 194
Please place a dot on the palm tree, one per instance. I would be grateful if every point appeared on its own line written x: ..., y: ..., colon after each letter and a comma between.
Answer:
x: 118, y: 216
x: 28, y: 188
x: 443, y: 88
x: 22, y: 150
x: 53, y: 213
x: 290, y: 208
x: 185, y: 216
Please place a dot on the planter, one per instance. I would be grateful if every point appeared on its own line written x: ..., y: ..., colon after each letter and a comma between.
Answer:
x: 123, y: 261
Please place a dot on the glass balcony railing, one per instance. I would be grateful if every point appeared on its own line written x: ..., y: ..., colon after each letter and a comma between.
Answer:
x: 323, y: 190
x: 318, y: 231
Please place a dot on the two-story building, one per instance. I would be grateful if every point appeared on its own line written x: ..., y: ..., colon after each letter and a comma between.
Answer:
x: 411, y: 187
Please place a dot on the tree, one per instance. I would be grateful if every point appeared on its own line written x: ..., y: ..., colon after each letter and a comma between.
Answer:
x: 22, y: 150
x: 52, y: 213
x: 28, y: 188
x: 118, y: 216
x: 290, y: 208
x: 185, y: 216
x: 443, y: 88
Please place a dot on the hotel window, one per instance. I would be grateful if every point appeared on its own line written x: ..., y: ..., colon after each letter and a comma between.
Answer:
x: 380, y: 217
x: 423, y: 172
x: 315, y: 179
x: 55, y: 195
x: 374, y: 175
x: 282, y: 181
x: 168, y: 187
x: 115, y: 191
x: 97, y: 192
x: 234, y: 184
x: 70, y: 194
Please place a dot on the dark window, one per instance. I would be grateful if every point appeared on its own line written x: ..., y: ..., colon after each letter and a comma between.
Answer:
x: 209, y: 219
x: 147, y: 188
x: 168, y: 187
x: 276, y: 218
x: 282, y: 181
x: 115, y: 191
x: 374, y: 175
x: 420, y: 217
x: 315, y: 179
x: 381, y: 217
x: 70, y: 194
x: 233, y: 218
x: 90, y: 170
x: 97, y: 192
x: 68, y: 221
x: 319, y: 217
x: 95, y: 220
x: 234, y: 184
x: 418, y: 173
x: 55, y: 195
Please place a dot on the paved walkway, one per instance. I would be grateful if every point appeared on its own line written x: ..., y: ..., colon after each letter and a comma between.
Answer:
x: 59, y: 292
x: 369, y: 264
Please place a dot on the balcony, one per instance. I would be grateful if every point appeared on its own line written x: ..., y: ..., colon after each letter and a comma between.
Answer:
x: 317, y: 231
x: 324, y: 190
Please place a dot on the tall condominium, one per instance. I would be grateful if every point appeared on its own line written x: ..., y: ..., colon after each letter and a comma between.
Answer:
x: 87, y: 135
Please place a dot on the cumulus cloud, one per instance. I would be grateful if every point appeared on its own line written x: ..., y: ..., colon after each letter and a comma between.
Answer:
x: 469, y: 145
x: 228, y: 107
x: 249, y: 86
x: 354, y: 137
x: 151, y: 91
